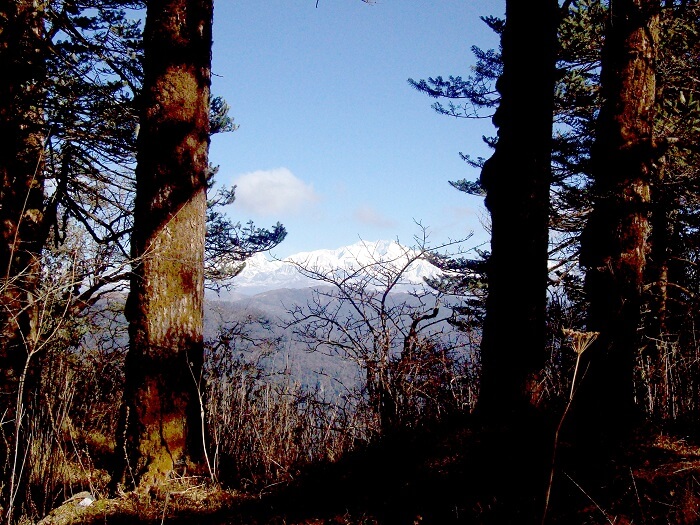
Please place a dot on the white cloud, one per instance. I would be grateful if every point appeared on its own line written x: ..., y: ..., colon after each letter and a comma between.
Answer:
x: 371, y: 217
x: 273, y: 192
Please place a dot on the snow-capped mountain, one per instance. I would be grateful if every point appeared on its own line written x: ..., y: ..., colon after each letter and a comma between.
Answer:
x: 262, y: 274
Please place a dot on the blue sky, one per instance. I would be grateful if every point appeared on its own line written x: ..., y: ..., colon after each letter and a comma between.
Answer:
x: 333, y: 142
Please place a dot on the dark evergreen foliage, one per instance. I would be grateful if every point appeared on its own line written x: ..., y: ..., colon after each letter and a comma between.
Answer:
x: 229, y: 243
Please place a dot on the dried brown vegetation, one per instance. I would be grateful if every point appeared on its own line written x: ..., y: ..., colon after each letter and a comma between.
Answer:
x: 285, y: 455
x: 211, y: 433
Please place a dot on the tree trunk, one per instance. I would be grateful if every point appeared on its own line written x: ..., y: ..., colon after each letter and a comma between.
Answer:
x: 22, y: 234
x: 161, y: 419
x: 657, y: 339
x: 614, y: 245
x: 517, y: 179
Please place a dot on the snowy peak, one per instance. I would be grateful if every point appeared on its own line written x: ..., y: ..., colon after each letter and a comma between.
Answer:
x: 261, y: 274
x: 359, y: 254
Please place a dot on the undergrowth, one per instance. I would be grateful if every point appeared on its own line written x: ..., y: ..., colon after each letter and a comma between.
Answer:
x: 285, y: 453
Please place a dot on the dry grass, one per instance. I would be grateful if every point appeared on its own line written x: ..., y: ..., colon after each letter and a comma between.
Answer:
x: 279, y: 448
x: 265, y: 429
x: 454, y: 474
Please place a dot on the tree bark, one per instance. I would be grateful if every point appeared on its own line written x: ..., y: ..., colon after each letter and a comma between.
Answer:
x: 22, y: 235
x: 517, y: 179
x: 161, y: 418
x: 615, y: 242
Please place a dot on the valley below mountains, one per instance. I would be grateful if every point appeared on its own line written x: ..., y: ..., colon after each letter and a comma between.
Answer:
x: 256, y: 314
x: 251, y: 326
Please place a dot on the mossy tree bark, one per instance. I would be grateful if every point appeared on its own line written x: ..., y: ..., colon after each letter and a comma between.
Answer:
x: 517, y: 179
x: 165, y: 307
x: 615, y: 242
x: 22, y: 232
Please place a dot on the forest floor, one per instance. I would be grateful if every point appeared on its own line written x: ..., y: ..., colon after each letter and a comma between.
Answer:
x: 443, y: 475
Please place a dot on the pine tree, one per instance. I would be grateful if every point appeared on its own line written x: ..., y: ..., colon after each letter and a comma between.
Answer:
x: 22, y: 58
x: 23, y: 64
x: 615, y: 243
x: 165, y: 305
x: 517, y: 180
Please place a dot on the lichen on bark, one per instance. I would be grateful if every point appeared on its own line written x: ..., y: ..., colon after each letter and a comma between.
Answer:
x: 160, y: 413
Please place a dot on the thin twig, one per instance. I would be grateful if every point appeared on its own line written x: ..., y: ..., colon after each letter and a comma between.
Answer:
x: 605, y: 514
x: 203, y: 420
x: 165, y: 507
x: 636, y: 492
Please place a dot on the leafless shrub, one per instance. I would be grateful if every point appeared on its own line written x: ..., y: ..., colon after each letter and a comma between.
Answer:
x: 666, y: 378
x: 416, y: 366
x: 66, y: 392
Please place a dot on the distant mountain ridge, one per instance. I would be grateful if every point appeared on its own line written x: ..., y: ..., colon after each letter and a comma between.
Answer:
x: 261, y: 274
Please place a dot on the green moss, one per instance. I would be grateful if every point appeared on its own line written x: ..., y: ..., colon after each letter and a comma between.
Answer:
x: 179, y: 94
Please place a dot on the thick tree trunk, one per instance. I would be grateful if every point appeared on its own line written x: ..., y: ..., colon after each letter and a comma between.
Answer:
x: 22, y: 234
x: 517, y: 179
x: 614, y: 245
x: 161, y: 418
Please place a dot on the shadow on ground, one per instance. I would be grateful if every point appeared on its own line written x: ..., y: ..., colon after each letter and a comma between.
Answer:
x: 453, y: 473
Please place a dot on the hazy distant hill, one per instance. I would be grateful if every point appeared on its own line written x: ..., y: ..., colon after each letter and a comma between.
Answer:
x: 269, y: 289
x: 292, y: 357
x: 310, y: 369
